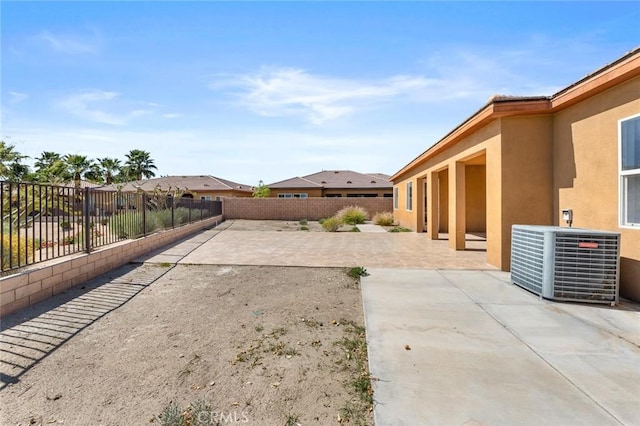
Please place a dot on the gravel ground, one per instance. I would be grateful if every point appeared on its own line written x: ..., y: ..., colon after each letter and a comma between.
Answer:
x: 260, y: 345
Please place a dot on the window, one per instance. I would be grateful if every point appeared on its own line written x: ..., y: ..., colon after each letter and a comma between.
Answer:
x: 285, y: 195
x: 630, y: 171
x: 409, y: 196
x: 206, y: 198
x: 395, y: 198
x: 300, y: 195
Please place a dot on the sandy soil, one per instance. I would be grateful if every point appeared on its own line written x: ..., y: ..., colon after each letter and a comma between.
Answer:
x: 260, y: 345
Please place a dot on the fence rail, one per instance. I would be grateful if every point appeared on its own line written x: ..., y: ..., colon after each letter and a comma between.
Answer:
x: 44, y: 222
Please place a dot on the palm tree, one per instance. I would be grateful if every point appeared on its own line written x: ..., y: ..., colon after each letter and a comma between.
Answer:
x: 50, y: 167
x: 77, y: 167
x: 110, y: 167
x: 139, y: 164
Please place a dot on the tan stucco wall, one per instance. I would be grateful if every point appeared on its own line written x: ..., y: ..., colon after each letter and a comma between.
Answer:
x: 586, y: 171
x: 476, y: 203
x: 443, y: 207
x: 527, y: 175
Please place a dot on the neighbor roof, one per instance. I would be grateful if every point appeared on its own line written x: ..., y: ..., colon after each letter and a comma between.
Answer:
x: 330, y: 179
x: 190, y: 183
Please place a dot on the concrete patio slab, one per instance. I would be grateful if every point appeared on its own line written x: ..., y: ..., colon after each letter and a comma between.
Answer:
x: 483, y: 351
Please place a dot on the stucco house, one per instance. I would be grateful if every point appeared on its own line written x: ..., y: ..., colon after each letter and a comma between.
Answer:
x: 334, y: 183
x: 522, y: 160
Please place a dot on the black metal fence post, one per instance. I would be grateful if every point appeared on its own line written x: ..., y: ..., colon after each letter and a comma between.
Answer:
x: 86, y: 209
x: 144, y: 214
x: 173, y: 212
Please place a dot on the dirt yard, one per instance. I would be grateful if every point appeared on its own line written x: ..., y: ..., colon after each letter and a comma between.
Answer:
x: 218, y: 344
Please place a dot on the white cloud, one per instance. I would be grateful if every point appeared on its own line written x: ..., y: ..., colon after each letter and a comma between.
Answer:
x: 318, y: 99
x: 93, y: 105
x: 69, y: 44
x: 17, y: 97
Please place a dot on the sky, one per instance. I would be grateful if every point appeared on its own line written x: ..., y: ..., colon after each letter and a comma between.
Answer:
x: 251, y: 91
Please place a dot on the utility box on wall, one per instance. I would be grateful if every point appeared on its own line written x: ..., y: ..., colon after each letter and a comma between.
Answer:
x: 566, y: 264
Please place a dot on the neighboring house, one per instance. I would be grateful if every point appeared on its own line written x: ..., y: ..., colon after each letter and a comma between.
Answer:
x: 334, y: 183
x: 199, y: 187
x: 521, y: 160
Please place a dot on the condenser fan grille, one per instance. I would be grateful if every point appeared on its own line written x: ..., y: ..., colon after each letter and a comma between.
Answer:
x: 585, y: 267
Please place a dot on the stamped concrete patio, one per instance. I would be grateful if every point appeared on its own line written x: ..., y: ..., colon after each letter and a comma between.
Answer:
x: 333, y: 249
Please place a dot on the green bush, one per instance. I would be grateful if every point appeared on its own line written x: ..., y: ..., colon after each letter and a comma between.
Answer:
x: 10, y: 253
x: 357, y: 271
x: 399, y: 229
x: 126, y: 225
x: 383, y: 219
x: 352, y: 215
x: 332, y: 224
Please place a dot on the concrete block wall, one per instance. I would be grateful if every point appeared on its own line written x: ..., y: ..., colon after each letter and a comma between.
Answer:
x: 34, y: 285
x: 313, y: 208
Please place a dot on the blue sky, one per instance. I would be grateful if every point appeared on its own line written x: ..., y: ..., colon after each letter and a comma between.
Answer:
x: 252, y: 91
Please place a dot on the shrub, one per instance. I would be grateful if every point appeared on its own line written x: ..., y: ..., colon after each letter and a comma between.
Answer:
x: 399, y: 229
x: 13, y: 256
x: 352, y: 215
x: 65, y: 226
x: 126, y: 225
x: 332, y: 224
x: 357, y: 271
x: 383, y: 219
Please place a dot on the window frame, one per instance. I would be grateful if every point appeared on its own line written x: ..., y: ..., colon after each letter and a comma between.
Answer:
x: 622, y: 174
x: 409, y: 197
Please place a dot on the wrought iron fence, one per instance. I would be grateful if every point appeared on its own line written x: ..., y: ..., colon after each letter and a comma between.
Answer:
x: 43, y: 222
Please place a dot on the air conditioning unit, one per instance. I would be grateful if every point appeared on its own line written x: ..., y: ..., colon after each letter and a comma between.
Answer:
x: 566, y: 264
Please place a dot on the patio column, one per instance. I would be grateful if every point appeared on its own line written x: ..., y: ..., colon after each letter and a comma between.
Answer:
x: 433, y: 201
x: 457, y: 207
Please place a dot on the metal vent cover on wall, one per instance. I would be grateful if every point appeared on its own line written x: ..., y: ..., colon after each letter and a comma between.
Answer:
x: 568, y: 264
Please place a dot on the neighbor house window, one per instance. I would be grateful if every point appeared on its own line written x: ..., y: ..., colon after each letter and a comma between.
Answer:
x: 285, y: 195
x: 630, y: 171
x: 300, y: 195
x: 409, y: 196
x: 206, y: 198
x: 395, y: 198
